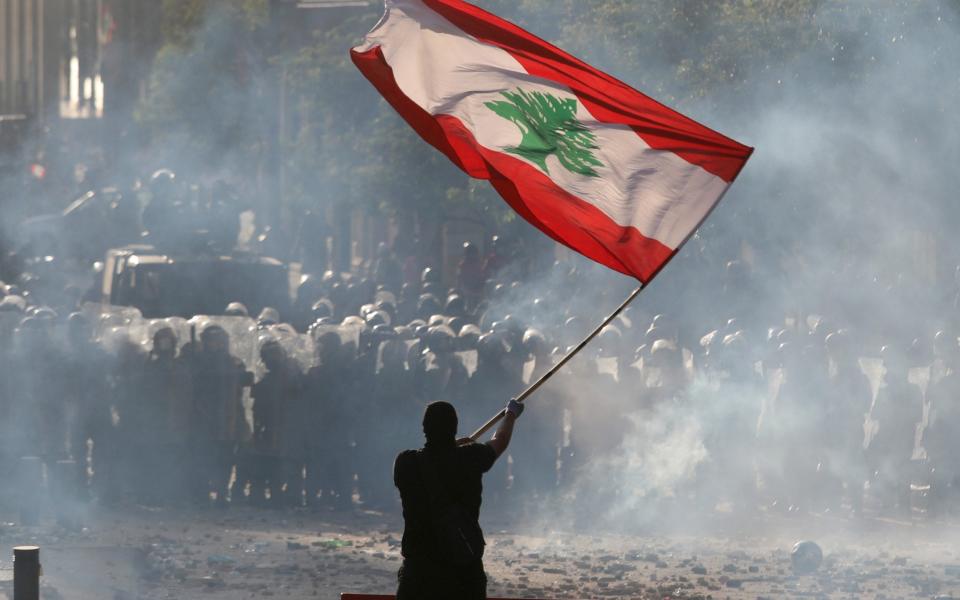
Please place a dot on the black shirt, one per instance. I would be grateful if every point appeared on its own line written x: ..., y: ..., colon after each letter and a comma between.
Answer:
x: 460, y: 470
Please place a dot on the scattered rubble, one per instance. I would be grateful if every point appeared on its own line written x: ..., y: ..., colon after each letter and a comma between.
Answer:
x: 245, y: 553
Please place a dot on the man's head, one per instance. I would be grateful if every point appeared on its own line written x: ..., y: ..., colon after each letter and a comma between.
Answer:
x: 327, y: 347
x: 894, y: 361
x: 79, y: 329
x: 440, y: 422
x: 268, y: 316
x: 272, y: 354
x: 215, y: 340
x: 163, y: 185
x: 236, y: 309
x: 945, y: 345
x: 165, y: 343
x: 839, y: 348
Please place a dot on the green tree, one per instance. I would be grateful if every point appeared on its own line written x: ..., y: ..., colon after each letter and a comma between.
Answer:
x: 208, y: 84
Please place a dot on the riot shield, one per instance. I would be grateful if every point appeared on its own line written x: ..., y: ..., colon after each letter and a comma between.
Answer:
x: 766, y: 422
x: 385, y: 296
x: 9, y: 320
x: 242, y: 332
x: 394, y: 352
x: 350, y: 336
x: 116, y: 336
x: 242, y: 343
x: 298, y: 346
x: 874, y: 370
x: 468, y: 358
x: 144, y: 331
x: 920, y: 377
x: 607, y: 365
x: 415, y: 347
x: 107, y: 318
x: 347, y: 340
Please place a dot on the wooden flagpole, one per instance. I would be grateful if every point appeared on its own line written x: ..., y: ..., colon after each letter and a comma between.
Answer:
x: 553, y: 370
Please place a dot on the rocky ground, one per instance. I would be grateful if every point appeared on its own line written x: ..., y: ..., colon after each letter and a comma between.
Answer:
x: 140, y: 553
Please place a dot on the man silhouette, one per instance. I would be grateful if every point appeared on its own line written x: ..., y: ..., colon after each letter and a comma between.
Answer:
x: 440, y: 488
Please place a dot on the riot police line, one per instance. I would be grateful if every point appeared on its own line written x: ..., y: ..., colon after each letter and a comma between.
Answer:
x: 226, y: 409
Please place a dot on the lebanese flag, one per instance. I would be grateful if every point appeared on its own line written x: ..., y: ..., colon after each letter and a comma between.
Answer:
x: 590, y: 161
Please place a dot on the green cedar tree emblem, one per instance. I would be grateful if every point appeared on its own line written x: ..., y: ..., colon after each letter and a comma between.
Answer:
x: 549, y: 126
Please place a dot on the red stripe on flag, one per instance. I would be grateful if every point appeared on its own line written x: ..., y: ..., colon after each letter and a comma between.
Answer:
x: 561, y: 215
x: 375, y: 68
x: 607, y: 98
x: 564, y: 217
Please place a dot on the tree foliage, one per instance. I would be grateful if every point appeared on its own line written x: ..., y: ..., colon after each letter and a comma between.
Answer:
x: 204, y: 106
x: 224, y: 61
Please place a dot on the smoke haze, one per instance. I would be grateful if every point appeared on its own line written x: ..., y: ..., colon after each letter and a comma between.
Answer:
x: 843, y: 221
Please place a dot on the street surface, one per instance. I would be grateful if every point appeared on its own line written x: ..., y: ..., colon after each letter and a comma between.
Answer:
x: 140, y: 553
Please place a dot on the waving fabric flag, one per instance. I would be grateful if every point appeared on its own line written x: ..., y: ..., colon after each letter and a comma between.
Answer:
x: 593, y: 163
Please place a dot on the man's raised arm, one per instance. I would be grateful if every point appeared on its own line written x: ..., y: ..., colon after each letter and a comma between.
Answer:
x: 501, y: 439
